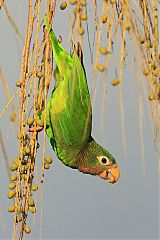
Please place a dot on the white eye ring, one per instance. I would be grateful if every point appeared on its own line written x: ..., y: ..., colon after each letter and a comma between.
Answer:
x: 104, y: 160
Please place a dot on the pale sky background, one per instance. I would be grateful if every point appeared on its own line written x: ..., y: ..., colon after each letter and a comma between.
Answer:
x: 78, y: 206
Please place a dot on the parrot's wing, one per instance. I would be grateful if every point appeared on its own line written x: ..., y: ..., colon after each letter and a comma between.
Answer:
x: 76, y: 120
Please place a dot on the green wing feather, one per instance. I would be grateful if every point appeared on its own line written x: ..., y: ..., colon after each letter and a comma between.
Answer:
x: 69, y: 108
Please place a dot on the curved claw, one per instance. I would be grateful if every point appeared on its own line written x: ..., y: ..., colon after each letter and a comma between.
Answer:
x: 115, y: 174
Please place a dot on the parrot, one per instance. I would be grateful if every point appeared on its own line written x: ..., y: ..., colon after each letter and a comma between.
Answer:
x: 69, y: 116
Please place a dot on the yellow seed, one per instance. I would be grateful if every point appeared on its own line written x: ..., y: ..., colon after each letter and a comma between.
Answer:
x: 142, y: 40
x: 83, y: 17
x: 34, y: 188
x: 100, y: 67
x: 153, y: 65
x: 11, y: 208
x: 63, y: 5
x: 156, y: 72
x: 48, y: 159
x: 46, y: 166
x: 12, y: 185
x: 115, y: 82
x: 113, y: 1
x: 154, y: 81
x: 151, y: 96
x: 32, y: 209
x: 18, y: 84
x: 13, y: 177
x: 19, y: 218
x: 11, y: 194
x: 30, y: 202
x: 81, y: 31
x: 30, y: 121
x: 13, y: 167
x: 127, y: 25
x: 83, y: 3
x: 73, y: 2
x: 104, y: 19
x: 103, y: 50
x: 39, y: 122
x: 76, y: 10
x: 145, y: 72
x: 39, y: 74
x: 27, y: 229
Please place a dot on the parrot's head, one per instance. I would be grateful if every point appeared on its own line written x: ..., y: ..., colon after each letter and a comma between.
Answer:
x: 94, y: 159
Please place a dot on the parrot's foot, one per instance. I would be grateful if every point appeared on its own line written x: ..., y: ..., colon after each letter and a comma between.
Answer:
x: 115, y: 174
x: 60, y: 39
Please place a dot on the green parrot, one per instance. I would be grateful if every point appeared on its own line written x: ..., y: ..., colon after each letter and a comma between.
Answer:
x: 69, y: 116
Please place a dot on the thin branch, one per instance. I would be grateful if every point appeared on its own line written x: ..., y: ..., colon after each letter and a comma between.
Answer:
x: 5, y: 108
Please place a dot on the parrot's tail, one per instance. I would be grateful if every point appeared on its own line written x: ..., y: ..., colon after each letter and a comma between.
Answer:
x: 62, y: 58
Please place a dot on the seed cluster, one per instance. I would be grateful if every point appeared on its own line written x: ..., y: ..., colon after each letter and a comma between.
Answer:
x: 22, y: 187
x: 35, y: 76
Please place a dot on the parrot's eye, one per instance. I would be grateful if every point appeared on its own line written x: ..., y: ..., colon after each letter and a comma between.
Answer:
x: 104, y: 160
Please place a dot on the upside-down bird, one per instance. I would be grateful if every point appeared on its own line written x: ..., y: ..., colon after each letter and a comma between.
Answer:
x: 69, y: 116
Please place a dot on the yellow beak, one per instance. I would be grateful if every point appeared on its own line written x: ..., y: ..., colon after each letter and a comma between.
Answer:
x: 115, y: 174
